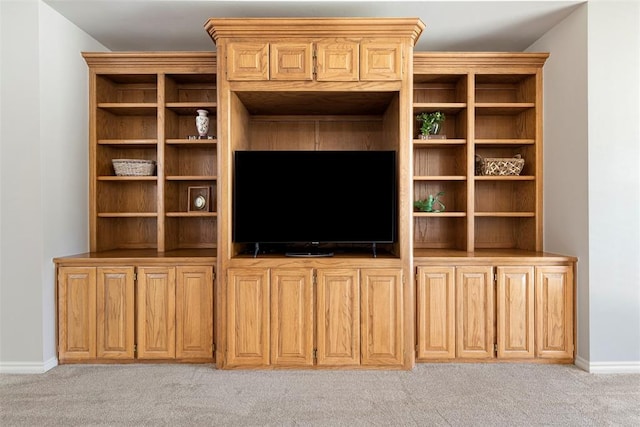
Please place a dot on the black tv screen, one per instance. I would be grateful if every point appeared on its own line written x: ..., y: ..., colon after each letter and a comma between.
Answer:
x: 314, y: 197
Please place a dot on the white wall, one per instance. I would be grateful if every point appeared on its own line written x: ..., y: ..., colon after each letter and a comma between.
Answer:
x: 566, y: 198
x: 43, y: 176
x: 614, y: 185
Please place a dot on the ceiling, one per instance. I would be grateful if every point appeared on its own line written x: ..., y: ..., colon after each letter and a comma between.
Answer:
x: 451, y: 25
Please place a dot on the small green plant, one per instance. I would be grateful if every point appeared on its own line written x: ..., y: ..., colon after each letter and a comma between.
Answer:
x: 431, y: 122
x: 430, y: 204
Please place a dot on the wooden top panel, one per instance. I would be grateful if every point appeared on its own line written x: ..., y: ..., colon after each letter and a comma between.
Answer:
x: 140, y: 256
x: 123, y: 62
x: 219, y: 28
x: 506, y: 256
x: 431, y: 62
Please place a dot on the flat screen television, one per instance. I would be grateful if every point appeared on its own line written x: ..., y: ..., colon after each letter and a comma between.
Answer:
x: 314, y: 197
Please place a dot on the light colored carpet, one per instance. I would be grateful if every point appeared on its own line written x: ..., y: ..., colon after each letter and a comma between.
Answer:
x: 430, y: 395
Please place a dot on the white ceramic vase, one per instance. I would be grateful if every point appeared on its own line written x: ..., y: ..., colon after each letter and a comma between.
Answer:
x: 202, y: 122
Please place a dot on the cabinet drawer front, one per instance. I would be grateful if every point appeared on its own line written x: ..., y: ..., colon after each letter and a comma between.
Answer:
x: 247, y: 61
x: 291, y: 61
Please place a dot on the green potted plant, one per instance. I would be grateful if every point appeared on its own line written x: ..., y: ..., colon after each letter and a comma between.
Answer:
x: 431, y: 123
x: 430, y: 204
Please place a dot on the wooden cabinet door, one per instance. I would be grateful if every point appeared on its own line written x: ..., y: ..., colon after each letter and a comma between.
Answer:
x: 248, y: 317
x: 291, y: 61
x: 156, y: 312
x: 76, y: 313
x: 338, y: 317
x: 247, y: 61
x: 436, y: 305
x: 554, y: 312
x: 337, y: 61
x: 380, y: 60
x: 475, y: 312
x: 381, y: 316
x: 515, y: 311
x: 194, y: 312
x: 115, y: 312
x: 292, y: 317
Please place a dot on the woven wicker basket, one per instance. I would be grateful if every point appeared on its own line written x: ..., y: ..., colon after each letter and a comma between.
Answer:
x: 501, y: 166
x: 133, y: 167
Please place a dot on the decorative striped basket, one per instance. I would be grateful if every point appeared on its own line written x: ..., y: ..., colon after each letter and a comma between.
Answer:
x: 133, y: 167
x: 501, y: 166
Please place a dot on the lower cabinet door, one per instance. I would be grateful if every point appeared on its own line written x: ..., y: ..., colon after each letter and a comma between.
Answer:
x: 156, y: 312
x: 76, y: 313
x: 554, y: 312
x: 381, y: 317
x: 292, y: 317
x: 194, y: 312
x: 248, y: 317
x: 338, y: 317
x: 436, y: 306
x: 475, y: 312
x: 515, y: 311
x: 115, y: 312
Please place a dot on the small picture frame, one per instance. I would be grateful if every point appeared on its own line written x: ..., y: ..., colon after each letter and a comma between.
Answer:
x: 199, y: 199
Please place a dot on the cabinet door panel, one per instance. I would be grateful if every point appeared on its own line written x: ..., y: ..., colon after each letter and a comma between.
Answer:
x: 554, y: 312
x: 515, y: 307
x: 156, y: 312
x: 194, y: 312
x: 436, y: 313
x: 338, y: 61
x: 247, y: 61
x: 338, y: 328
x: 77, y: 313
x: 248, y: 317
x: 474, y: 301
x: 115, y: 311
x: 380, y: 61
x: 381, y: 320
x: 291, y: 317
x: 291, y: 61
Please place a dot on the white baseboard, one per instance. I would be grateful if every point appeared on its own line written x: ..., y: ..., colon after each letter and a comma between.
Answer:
x: 608, y: 367
x: 28, y: 367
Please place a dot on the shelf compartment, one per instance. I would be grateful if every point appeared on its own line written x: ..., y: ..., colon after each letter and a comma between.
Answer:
x: 191, y: 108
x: 454, y: 126
x: 126, y: 127
x: 190, y: 89
x: 180, y: 123
x: 496, y: 124
x: 190, y: 160
x: 177, y: 197
x: 106, y: 153
x: 505, y: 233
x: 505, y: 88
x: 454, y: 198
x: 505, y: 196
x: 191, y: 232
x: 127, y: 88
x: 450, y: 88
x: 131, y: 197
x: 527, y: 152
x: 185, y: 142
x: 434, y: 160
x: 126, y: 233
x: 440, y: 232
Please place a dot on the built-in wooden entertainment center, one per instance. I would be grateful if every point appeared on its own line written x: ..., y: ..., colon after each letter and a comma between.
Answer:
x: 164, y: 281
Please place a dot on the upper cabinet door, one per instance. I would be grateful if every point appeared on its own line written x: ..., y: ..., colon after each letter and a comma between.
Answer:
x: 291, y: 61
x: 380, y: 60
x: 248, y: 61
x: 337, y: 61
